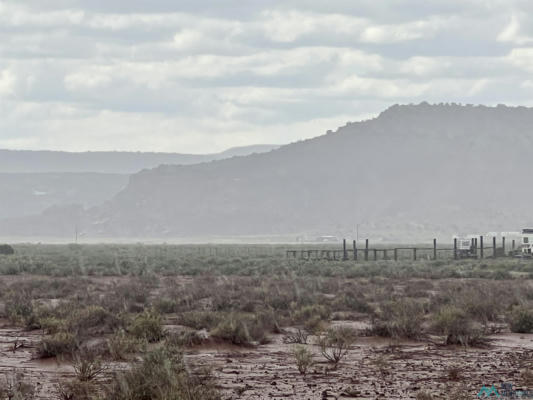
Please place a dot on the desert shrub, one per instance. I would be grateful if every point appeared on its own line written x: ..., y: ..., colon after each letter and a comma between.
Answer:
x: 19, y: 309
x: 310, y: 311
x: 352, y: 302
x: 82, y: 320
x: 303, y: 358
x: 298, y: 337
x: 526, y: 377
x: 15, y: 386
x: 424, y: 396
x: 161, y: 376
x: 148, y: 326
x: 76, y: 390
x: 187, y: 338
x: 6, y: 250
x: 335, y: 343
x: 59, y: 344
x: 401, y: 318
x: 521, y: 320
x: 233, y: 330
x: 87, y: 366
x: 120, y: 345
x: 166, y: 306
x: 457, y: 326
x: 200, y: 319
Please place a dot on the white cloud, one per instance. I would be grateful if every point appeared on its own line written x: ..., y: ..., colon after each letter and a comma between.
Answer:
x: 512, y: 32
x: 79, y: 74
x: 7, y: 82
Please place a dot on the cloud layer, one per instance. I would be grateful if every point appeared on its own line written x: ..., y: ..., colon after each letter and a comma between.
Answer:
x: 199, y: 77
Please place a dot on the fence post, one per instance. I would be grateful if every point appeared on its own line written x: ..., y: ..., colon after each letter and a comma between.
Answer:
x: 395, y: 254
x: 385, y: 257
x: 366, y: 250
x: 414, y: 254
x: 344, y: 252
x: 375, y: 254
x: 494, y: 247
x: 503, y: 245
x: 514, y: 244
x: 355, y: 250
x: 455, y: 248
x: 434, y: 249
x: 481, y: 252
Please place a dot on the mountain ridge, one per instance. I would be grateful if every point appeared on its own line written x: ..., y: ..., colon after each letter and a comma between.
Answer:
x: 412, y: 172
x: 115, y: 162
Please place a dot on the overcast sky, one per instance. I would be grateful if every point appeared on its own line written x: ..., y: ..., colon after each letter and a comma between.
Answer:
x: 201, y: 76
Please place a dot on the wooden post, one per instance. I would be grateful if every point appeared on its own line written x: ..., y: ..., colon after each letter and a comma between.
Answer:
x: 414, y: 254
x: 355, y: 250
x: 344, y: 252
x: 503, y: 245
x: 455, y: 248
x: 494, y: 247
x: 395, y: 254
x: 475, y: 246
x: 366, y: 250
x: 481, y: 250
x: 375, y: 255
x: 434, y: 249
x: 514, y: 244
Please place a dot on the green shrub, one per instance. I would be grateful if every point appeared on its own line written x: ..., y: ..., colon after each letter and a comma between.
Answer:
x: 457, y: 326
x: 521, y: 320
x: 61, y: 343
x: 161, y: 376
x: 303, y: 358
x: 120, y: 345
x: 401, y: 318
x: 6, y: 250
x: 148, y: 326
x: 200, y: 319
x: 233, y: 330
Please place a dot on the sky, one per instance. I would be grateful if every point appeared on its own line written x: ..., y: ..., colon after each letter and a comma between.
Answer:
x: 193, y: 76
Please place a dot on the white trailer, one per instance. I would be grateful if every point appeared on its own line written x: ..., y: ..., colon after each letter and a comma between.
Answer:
x: 465, y: 248
x: 527, y: 242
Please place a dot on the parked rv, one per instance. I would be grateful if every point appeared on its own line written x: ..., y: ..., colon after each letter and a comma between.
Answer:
x: 527, y: 242
x: 465, y: 248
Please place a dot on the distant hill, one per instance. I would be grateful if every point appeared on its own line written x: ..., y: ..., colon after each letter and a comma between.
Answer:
x: 25, y: 161
x: 29, y: 184
x: 413, y: 172
x: 26, y: 194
